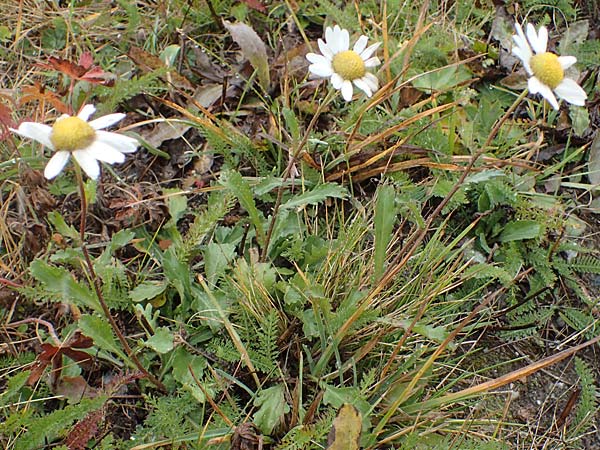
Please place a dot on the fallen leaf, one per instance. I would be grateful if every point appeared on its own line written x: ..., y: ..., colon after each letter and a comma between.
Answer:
x: 253, y: 48
x: 256, y: 5
x: 347, y: 426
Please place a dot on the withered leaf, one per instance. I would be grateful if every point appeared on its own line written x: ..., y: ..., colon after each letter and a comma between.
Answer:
x: 253, y: 48
x: 345, y: 434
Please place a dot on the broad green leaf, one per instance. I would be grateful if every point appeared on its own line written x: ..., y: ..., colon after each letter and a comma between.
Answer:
x: 58, y: 222
x: 161, y: 341
x: 121, y: 238
x: 442, y: 79
x: 253, y: 48
x: 59, y: 281
x: 217, y: 257
x: 272, y: 406
x: 100, y: 331
x: 177, y: 204
x: 385, y: 217
x: 317, y: 195
x: 519, y: 230
x: 337, y: 396
x: 183, y: 366
x: 580, y: 119
x: 147, y: 291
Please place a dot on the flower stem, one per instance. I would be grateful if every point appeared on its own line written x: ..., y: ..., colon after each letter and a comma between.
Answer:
x: 98, y: 287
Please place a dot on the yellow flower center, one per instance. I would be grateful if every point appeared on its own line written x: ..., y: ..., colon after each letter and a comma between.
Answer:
x: 71, y: 133
x: 349, y: 65
x: 547, y: 69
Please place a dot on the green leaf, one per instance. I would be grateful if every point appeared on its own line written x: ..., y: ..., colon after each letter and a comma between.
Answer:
x: 121, y: 238
x: 100, y: 331
x: 58, y: 222
x: 177, y: 272
x: 317, y: 195
x: 241, y: 190
x: 519, y: 230
x: 59, y: 281
x: 272, y: 406
x: 217, y: 257
x: 580, y: 119
x: 442, y: 79
x: 46, y: 428
x: 147, y: 291
x: 385, y: 217
x: 162, y: 341
x: 177, y: 204
x: 183, y: 363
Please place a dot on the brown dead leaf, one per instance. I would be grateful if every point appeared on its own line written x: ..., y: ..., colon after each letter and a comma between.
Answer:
x: 256, y: 5
x: 347, y: 426
x: 246, y: 437
x: 253, y: 48
x: 74, y: 388
x: 147, y: 62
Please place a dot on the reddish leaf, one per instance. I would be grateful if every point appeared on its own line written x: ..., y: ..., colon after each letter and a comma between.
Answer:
x: 255, y: 4
x: 84, y: 71
x: 86, y: 60
x: 37, y: 92
x: 84, y: 430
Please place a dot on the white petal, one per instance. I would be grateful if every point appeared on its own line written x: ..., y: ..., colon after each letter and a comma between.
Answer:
x: 366, y: 54
x: 571, y: 92
x: 344, y: 42
x: 360, y: 44
x: 534, y: 40
x: 520, y: 38
x: 525, y: 56
x: 534, y: 85
x: 106, y: 121
x: 347, y: 90
x: 56, y: 164
x: 542, y: 41
x: 336, y: 81
x: 318, y: 59
x: 104, y: 152
x: 328, y: 35
x: 372, y: 62
x: 120, y: 142
x: 325, y: 50
x: 566, y: 61
x: 334, y: 38
x: 363, y: 86
x: 36, y: 131
x: 547, y: 93
x: 321, y: 70
x: 86, y: 112
x: 372, y: 81
x: 88, y: 163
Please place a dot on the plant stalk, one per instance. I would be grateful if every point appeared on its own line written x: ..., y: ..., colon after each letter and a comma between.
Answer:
x: 98, y: 288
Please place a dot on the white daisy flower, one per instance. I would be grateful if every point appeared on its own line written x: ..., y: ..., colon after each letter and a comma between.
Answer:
x: 343, y: 66
x: 546, y: 70
x: 84, y: 140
